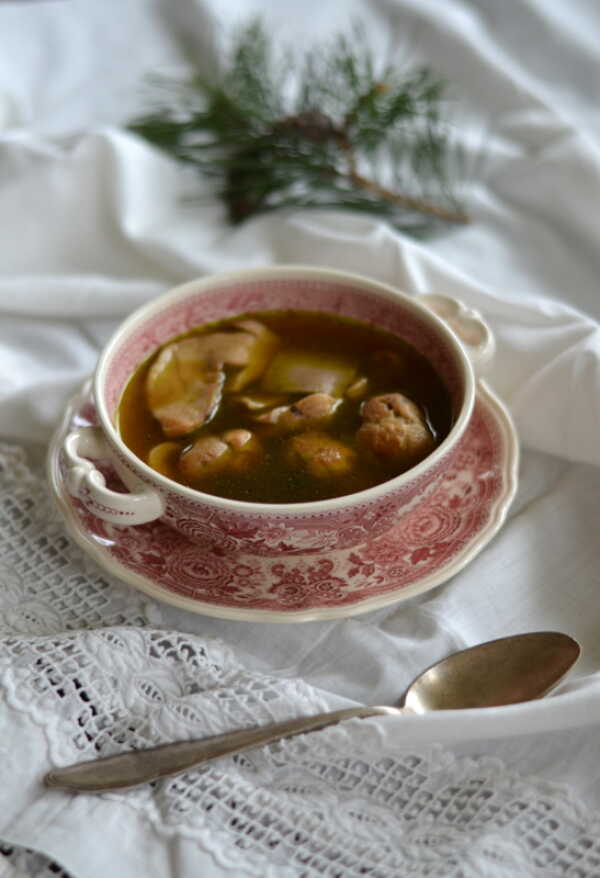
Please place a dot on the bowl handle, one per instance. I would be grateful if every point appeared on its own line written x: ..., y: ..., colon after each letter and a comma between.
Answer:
x: 86, y: 482
x: 473, y: 332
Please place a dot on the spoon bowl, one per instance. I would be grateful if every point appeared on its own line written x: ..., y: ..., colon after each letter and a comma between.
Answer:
x: 505, y: 671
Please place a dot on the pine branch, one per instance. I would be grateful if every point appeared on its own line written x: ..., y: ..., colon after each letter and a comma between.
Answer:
x: 330, y: 132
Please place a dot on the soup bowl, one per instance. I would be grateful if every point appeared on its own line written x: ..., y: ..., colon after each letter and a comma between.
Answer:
x: 453, y: 338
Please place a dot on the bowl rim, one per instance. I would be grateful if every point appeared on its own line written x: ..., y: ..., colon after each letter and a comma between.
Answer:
x: 284, y: 271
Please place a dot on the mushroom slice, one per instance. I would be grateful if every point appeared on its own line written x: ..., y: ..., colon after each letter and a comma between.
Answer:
x: 206, y: 456
x: 391, y: 405
x: 261, y: 351
x: 198, y: 403
x: 302, y: 371
x: 358, y: 388
x: 246, y: 448
x: 185, y: 383
x: 236, y: 450
x: 183, y: 388
x: 320, y: 455
x: 310, y: 411
x: 272, y: 416
x: 395, y: 430
x: 163, y: 458
x: 212, y: 349
x: 254, y: 327
x: 237, y: 438
x: 257, y: 402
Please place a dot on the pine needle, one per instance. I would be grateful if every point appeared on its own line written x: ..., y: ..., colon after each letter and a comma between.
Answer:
x: 330, y: 131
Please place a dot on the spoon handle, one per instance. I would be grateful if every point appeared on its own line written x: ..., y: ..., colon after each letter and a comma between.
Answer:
x: 141, y: 766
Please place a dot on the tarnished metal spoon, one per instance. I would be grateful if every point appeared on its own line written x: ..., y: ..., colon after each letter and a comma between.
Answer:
x: 504, y: 671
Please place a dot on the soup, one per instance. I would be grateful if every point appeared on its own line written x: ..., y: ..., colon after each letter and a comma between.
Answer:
x: 284, y: 407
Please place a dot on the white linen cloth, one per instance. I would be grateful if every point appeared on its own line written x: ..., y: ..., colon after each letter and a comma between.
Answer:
x: 94, y: 223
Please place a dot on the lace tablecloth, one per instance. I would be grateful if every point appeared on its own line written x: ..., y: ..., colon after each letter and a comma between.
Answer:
x: 87, y: 668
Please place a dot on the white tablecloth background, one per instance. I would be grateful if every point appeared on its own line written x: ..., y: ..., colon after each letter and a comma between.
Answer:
x: 95, y: 223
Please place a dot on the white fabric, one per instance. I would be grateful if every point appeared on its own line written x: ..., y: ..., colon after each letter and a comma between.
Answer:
x: 95, y: 223
x: 365, y: 795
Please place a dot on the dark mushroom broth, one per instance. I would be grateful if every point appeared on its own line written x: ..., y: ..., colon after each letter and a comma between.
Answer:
x: 284, y: 407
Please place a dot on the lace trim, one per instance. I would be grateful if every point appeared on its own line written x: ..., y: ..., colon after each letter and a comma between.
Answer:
x: 327, y: 810
x: 79, y: 657
x: 47, y: 583
x: 95, y: 691
x: 18, y: 862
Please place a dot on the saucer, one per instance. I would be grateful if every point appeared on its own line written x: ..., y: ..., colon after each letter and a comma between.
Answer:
x: 426, y: 547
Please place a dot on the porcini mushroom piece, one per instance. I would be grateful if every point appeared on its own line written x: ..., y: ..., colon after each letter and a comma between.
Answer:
x: 395, y: 430
x: 257, y: 402
x: 391, y: 405
x: 302, y: 371
x: 184, y: 385
x: 265, y: 344
x: 212, y: 349
x: 272, y: 416
x: 206, y: 456
x: 237, y: 438
x: 246, y: 448
x: 254, y: 327
x: 163, y: 457
x: 236, y: 450
x: 182, y: 399
x: 358, y: 388
x: 313, y: 410
x: 320, y: 455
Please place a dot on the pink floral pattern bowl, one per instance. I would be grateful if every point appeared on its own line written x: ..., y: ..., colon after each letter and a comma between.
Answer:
x: 425, y: 547
x: 268, y: 530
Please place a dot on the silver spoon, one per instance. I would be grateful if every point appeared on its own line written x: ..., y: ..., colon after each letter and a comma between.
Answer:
x: 504, y: 671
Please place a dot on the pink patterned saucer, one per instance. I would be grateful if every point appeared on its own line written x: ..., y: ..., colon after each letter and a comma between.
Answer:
x: 428, y: 546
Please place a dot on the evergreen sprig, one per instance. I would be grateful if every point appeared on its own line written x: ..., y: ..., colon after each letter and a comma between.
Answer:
x: 329, y: 131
